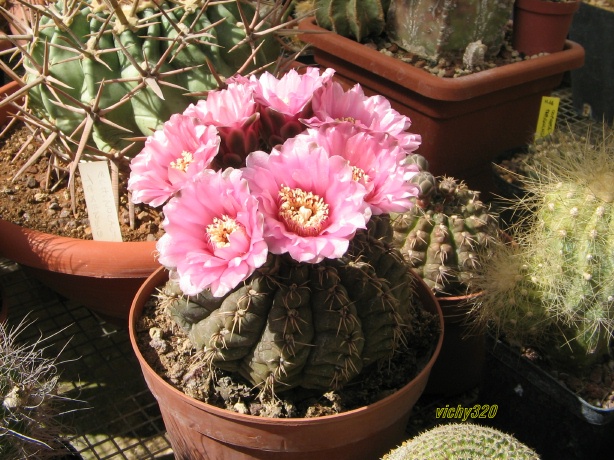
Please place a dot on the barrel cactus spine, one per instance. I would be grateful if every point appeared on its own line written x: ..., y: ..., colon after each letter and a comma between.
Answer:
x: 102, y: 75
x: 447, y: 234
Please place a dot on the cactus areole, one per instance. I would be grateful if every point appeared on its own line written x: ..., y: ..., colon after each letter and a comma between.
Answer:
x: 103, y: 74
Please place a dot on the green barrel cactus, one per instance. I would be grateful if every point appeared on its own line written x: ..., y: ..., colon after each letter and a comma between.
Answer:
x: 102, y: 75
x: 294, y: 324
x: 356, y: 19
x: 564, y: 256
x: 462, y: 441
x: 447, y: 234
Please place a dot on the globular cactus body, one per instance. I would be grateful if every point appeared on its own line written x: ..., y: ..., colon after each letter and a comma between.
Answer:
x: 564, y: 255
x: 447, y: 234
x: 462, y: 441
x: 295, y: 324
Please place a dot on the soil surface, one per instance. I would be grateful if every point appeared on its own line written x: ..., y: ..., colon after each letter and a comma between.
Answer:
x: 29, y: 202
x: 169, y: 352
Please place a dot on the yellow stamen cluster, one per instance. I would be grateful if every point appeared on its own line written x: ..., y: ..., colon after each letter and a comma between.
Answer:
x: 304, y: 213
x: 183, y: 163
x: 358, y: 175
x: 220, y: 230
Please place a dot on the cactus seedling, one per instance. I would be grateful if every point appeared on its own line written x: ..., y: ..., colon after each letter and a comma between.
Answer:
x: 563, y: 262
x: 101, y: 75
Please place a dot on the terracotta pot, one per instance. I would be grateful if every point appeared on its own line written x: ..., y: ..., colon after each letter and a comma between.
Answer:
x: 198, y: 430
x: 464, y: 122
x: 541, y: 26
x: 103, y: 276
x: 459, y: 367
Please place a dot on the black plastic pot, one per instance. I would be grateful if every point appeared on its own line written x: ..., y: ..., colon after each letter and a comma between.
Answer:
x: 540, y: 411
x: 592, y: 85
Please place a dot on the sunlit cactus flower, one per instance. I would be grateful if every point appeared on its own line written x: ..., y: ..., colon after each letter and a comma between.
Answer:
x: 214, y: 233
x: 334, y: 105
x: 285, y: 101
x: 312, y: 205
x: 172, y: 156
x: 234, y: 113
x: 377, y: 163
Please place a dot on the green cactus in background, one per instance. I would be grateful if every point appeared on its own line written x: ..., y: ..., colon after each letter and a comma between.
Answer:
x: 102, y: 75
x: 29, y: 413
x: 563, y: 259
x: 357, y: 19
x: 295, y: 324
x: 462, y: 441
x: 447, y: 234
x: 436, y: 29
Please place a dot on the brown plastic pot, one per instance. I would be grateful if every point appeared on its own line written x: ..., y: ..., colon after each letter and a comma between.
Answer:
x: 103, y: 276
x: 464, y: 122
x: 460, y: 364
x: 199, y: 430
x: 541, y: 26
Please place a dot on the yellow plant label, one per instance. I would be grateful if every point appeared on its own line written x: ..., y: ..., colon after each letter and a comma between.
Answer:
x: 547, y: 116
x: 100, y: 201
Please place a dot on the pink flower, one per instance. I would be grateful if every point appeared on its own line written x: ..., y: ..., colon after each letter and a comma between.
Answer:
x: 377, y: 163
x: 334, y: 105
x: 214, y: 233
x: 311, y: 205
x: 171, y: 157
x: 283, y: 102
x: 233, y: 112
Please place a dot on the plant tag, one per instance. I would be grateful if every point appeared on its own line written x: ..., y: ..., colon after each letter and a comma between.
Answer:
x: 99, y: 200
x: 547, y: 116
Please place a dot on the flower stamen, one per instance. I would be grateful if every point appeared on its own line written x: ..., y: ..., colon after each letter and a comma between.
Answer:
x: 304, y: 213
x: 183, y: 162
x: 220, y: 230
x: 358, y: 175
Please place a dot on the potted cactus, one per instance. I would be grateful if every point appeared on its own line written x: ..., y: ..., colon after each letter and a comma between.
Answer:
x: 550, y: 294
x: 279, y: 276
x: 474, y: 114
x: 445, y: 237
x: 30, y: 411
x: 97, y: 78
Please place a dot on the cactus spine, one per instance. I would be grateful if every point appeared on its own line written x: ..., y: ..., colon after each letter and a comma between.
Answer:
x: 460, y: 441
x: 564, y: 259
x: 295, y: 324
x: 447, y: 234
x: 101, y: 75
x: 29, y: 427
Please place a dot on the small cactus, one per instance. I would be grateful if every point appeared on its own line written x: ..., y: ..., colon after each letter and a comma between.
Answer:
x: 310, y: 325
x: 29, y: 427
x: 102, y: 75
x: 357, y: 19
x: 462, y: 441
x: 563, y: 258
x: 447, y: 234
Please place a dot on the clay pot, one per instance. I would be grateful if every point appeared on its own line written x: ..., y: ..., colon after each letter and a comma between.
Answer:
x: 464, y: 122
x: 103, y: 276
x: 460, y: 364
x: 198, y: 430
x: 541, y: 26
